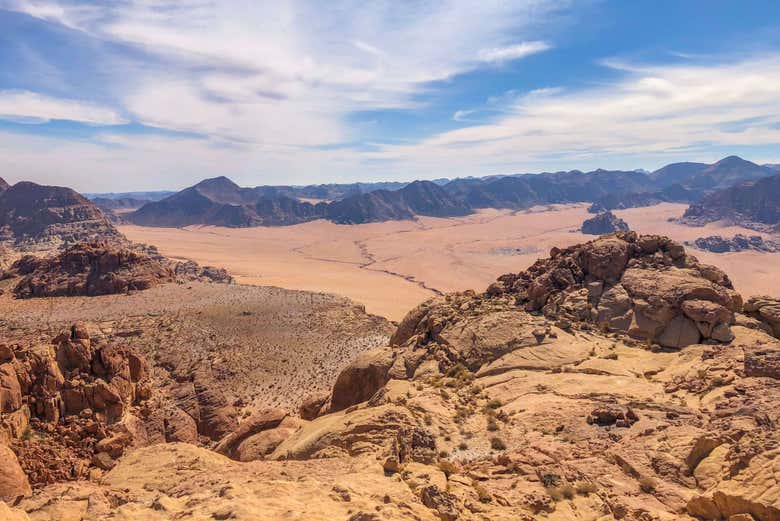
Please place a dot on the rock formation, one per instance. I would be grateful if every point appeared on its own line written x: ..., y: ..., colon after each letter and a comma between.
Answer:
x: 65, y: 405
x: 44, y: 217
x: 603, y: 223
x: 753, y: 205
x: 718, y: 244
x: 89, y: 269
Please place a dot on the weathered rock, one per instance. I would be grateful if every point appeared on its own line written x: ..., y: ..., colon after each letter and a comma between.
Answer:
x: 361, y: 379
x: 603, y: 223
x: 258, y: 422
x: 13, y: 481
x: 90, y: 269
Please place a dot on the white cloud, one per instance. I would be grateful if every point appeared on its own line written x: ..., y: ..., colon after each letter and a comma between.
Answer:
x: 292, y: 71
x: 29, y: 107
x: 513, y: 52
x: 461, y: 115
x: 653, y: 111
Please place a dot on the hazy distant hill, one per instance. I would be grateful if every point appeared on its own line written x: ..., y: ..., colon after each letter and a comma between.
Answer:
x: 121, y: 203
x: 3, y: 185
x: 33, y: 216
x: 754, y: 204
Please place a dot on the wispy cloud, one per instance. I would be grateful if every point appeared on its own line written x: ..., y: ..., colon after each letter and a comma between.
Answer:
x: 29, y: 107
x: 650, y: 110
x: 291, y: 71
x: 513, y: 52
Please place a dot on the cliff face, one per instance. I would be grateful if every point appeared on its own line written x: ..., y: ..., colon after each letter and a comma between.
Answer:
x: 40, y: 217
x: 753, y: 205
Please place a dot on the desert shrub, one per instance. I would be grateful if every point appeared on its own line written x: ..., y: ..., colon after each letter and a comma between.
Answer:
x: 449, y: 468
x: 568, y: 491
x: 497, y: 444
x: 463, y: 445
x: 494, y: 404
x: 492, y: 426
x: 585, y: 488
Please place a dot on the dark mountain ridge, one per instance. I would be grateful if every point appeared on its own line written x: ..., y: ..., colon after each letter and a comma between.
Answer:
x: 221, y: 202
x: 33, y: 216
x: 753, y: 204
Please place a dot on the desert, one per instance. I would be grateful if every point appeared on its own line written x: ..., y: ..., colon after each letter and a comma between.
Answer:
x: 393, y: 266
x: 389, y: 261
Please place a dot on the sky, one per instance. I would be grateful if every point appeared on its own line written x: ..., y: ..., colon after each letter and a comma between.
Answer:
x: 122, y: 95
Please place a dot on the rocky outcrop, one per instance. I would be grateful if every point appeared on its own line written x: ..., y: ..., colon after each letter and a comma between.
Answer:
x: 74, y: 395
x: 767, y: 310
x: 603, y: 223
x: 34, y: 217
x: 13, y: 481
x: 89, y: 269
x: 718, y: 244
x: 752, y: 204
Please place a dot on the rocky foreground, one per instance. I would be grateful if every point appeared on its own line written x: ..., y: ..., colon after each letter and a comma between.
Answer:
x: 618, y: 379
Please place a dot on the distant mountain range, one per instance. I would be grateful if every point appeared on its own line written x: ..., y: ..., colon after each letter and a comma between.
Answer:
x: 221, y: 202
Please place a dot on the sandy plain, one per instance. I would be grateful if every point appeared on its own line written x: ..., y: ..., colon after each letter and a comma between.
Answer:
x: 392, y: 266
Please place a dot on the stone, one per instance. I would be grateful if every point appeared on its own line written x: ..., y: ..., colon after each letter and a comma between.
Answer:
x: 680, y: 332
x: 13, y: 481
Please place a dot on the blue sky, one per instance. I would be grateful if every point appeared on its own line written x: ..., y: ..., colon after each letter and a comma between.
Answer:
x: 144, y: 94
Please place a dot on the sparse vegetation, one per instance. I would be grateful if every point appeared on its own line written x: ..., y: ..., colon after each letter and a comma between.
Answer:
x: 497, y: 444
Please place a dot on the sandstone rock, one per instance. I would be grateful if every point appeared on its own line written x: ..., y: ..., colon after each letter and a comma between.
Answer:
x: 679, y: 332
x: 361, y: 379
x: 258, y: 422
x: 766, y: 309
x: 13, y: 481
x: 91, y: 269
x: 603, y: 223
x: 12, y: 514
x: 313, y: 406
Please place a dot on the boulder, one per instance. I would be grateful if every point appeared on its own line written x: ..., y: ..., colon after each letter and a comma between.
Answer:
x: 362, y: 378
x: 13, y: 481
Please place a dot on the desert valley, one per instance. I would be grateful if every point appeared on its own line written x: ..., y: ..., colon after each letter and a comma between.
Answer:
x: 435, y: 260
x: 541, y: 358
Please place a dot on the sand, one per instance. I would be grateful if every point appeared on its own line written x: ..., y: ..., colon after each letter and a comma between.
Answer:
x: 390, y: 267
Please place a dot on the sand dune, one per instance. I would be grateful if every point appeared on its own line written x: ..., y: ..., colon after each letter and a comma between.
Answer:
x: 390, y: 267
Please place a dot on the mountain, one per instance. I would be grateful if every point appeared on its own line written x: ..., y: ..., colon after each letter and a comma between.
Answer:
x: 727, y: 172
x: 676, y: 173
x: 221, y: 202
x: 526, y: 190
x: 154, y: 195
x: 376, y: 206
x: 753, y: 204
x: 120, y: 203
x: 428, y: 198
x: 3, y: 185
x: 671, y: 194
x: 35, y: 216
